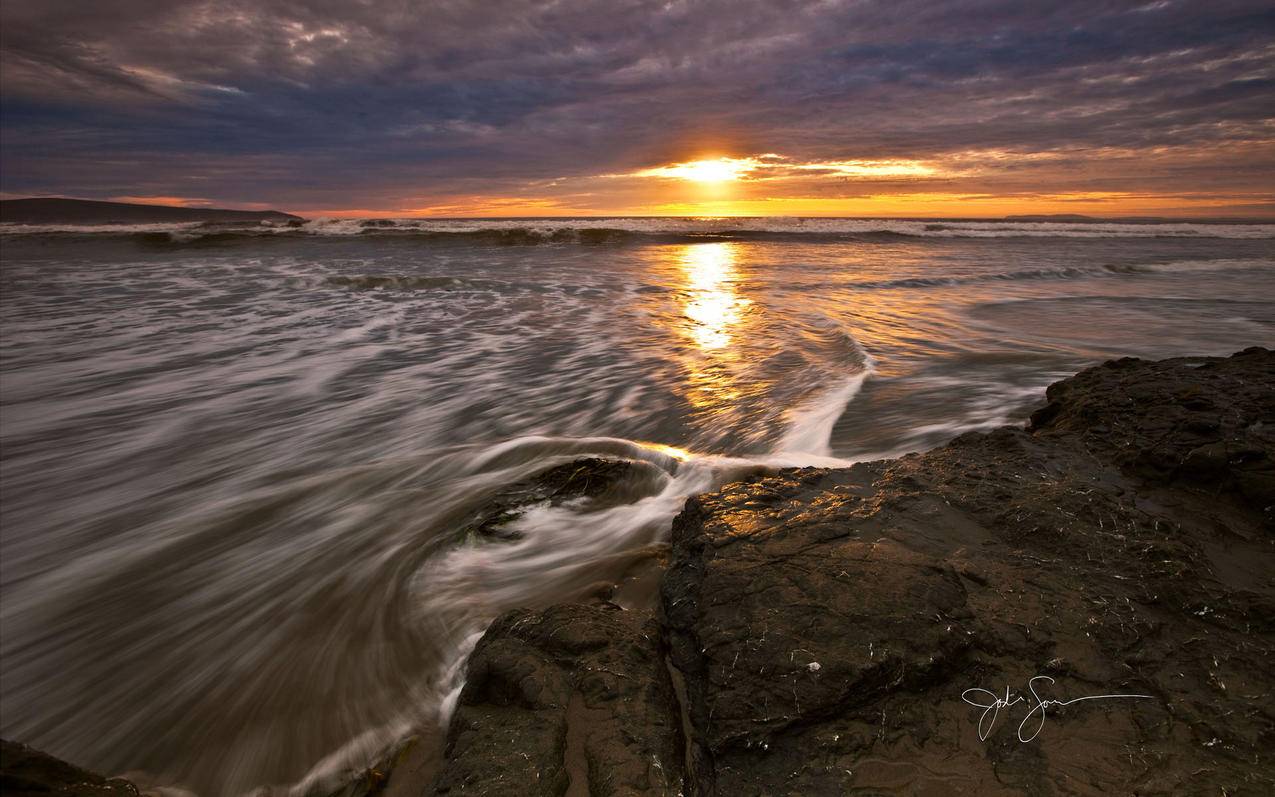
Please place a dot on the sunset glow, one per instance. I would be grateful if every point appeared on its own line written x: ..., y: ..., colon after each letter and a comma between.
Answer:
x: 565, y: 397
x: 718, y: 170
x: 812, y: 109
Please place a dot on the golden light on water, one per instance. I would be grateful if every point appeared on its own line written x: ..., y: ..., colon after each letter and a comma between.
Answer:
x: 712, y: 304
x: 680, y: 454
x: 709, y: 314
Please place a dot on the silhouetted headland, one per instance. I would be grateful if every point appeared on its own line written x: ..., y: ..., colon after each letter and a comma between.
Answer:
x: 56, y: 210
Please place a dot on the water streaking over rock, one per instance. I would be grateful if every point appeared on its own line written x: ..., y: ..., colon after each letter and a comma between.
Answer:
x: 248, y: 480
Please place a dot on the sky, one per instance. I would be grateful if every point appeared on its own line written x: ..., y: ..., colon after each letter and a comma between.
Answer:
x: 591, y: 107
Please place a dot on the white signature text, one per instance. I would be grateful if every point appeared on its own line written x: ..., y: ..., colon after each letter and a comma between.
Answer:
x: 1034, y: 722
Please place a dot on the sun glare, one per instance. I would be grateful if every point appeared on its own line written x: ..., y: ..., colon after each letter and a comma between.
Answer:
x: 771, y: 166
x: 712, y: 303
x: 716, y: 170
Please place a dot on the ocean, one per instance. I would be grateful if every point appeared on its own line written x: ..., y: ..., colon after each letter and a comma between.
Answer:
x: 235, y: 459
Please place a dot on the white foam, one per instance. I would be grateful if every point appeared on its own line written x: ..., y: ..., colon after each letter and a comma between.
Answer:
x: 810, y: 432
x: 791, y: 225
x: 1220, y: 264
x: 658, y: 225
x: 356, y: 754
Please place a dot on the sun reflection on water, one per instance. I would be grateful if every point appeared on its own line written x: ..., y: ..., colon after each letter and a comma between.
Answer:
x: 712, y: 303
x: 712, y: 316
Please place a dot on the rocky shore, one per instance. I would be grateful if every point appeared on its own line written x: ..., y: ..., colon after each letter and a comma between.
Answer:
x: 925, y: 625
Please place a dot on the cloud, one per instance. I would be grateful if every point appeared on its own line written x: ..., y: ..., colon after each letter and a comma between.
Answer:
x: 329, y: 104
x: 171, y: 201
x: 777, y: 167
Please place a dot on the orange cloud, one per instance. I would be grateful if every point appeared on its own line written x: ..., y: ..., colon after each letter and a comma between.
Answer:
x: 771, y: 166
x: 170, y: 201
x: 948, y: 205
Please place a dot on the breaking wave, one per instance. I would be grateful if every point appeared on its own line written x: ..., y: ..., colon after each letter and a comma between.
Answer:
x: 626, y: 229
x: 1072, y: 272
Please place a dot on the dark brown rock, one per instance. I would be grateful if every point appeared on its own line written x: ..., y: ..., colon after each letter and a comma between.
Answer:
x: 27, y: 771
x: 827, y: 622
x: 601, y: 481
x: 574, y: 697
x: 1205, y: 422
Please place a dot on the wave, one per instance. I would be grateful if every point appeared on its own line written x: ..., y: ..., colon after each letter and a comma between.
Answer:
x: 564, y: 549
x: 624, y: 229
x: 1065, y: 273
x: 392, y: 282
x: 810, y: 426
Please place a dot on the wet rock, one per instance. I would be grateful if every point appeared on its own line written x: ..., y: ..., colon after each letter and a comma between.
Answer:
x: 591, y: 478
x: 369, y: 781
x: 572, y: 698
x: 1207, y: 422
x: 26, y: 771
x: 828, y: 622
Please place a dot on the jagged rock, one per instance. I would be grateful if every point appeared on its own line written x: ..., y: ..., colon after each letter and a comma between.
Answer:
x: 590, y: 478
x: 26, y: 771
x: 827, y: 622
x: 1207, y: 422
x: 572, y: 697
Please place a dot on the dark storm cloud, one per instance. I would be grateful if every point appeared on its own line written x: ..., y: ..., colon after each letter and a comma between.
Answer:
x: 375, y: 104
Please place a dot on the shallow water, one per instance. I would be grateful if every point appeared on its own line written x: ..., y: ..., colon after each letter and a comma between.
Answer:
x: 234, y: 463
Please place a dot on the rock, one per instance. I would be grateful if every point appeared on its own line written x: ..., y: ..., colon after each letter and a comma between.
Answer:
x: 1137, y: 560
x: 574, y: 697
x: 26, y: 771
x: 589, y: 478
x: 369, y: 781
x: 1208, y: 422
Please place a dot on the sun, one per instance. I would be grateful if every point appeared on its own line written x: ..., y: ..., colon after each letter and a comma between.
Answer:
x: 714, y: 170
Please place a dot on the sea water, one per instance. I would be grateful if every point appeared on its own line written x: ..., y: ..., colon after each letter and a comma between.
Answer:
x: 235, y: 460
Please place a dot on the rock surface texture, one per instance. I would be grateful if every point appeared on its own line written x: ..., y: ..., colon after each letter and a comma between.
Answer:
x: 575, y: 699
x: 27, y: 771
x: 823, y: 626
x: 829, y: 621
x: 828, y: 631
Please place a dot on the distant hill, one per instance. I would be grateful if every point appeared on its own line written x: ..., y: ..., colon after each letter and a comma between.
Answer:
x: 86, y: 211
x: 1074, y: 218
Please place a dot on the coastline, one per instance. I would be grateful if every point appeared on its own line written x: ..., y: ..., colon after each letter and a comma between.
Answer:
x: 817, y: 628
